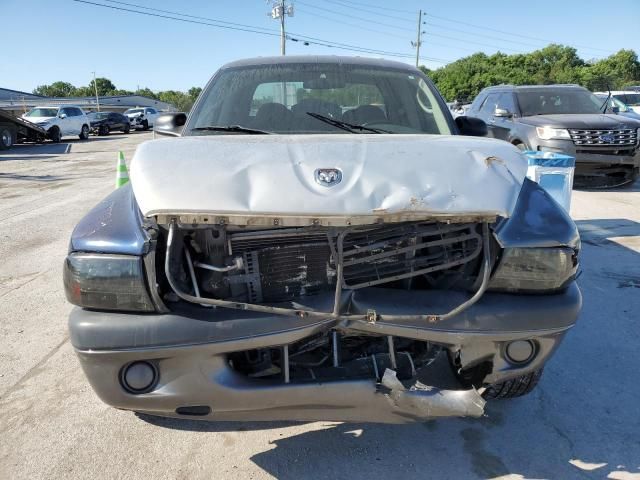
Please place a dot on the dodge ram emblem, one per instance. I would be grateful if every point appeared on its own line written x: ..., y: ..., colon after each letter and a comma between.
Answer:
x: 328, y: 177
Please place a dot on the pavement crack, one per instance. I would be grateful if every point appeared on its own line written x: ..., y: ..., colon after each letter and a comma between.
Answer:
x: 33, y: 371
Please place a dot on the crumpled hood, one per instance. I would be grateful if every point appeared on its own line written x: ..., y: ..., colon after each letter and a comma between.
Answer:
x: 594, y: 121
x: 275, y: 176
x: 37, y: 120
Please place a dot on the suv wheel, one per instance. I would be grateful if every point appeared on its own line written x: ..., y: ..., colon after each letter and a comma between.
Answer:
x: 55, y: 135
x: 84, y: 133
x: 6, y: 138
x: 516, y: 387
x: 104, y: 130
x: 127, y: 129
x: 145, y: 125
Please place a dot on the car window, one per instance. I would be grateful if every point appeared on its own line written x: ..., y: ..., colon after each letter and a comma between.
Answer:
x: 505, y: 101
x: 64, y: 111
x: 151, y: 111
x: 279, y: 98
x: 552, y: 101
x: 629, y: 98
x: 488, y: 107
x: 134, y: 111
x: 75, y: 112
x: 42, y: 112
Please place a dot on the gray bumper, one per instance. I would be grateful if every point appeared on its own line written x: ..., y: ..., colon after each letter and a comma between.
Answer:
x: 189, y: 349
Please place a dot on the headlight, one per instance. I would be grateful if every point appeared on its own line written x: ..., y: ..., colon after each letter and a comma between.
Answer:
x: 106, y: 282
x: 549, y: 133
x: 535, y: 269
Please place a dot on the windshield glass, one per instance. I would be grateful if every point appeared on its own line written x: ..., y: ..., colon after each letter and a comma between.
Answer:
x: 42, y: 112
x: 98, y: 115
x: 629, y: 98
x: 134, y: 110
x: 278, y: 98
x: 561, y: 101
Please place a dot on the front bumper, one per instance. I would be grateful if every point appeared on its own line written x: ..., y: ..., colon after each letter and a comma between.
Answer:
x: 189, y: 348
x: 595, y: 169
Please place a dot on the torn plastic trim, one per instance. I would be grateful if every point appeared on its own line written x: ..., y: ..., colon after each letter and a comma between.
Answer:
x: 429, y: 402
x: 370, y: 316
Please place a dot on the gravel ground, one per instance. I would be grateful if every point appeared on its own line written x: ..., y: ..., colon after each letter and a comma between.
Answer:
x: 582, y: 422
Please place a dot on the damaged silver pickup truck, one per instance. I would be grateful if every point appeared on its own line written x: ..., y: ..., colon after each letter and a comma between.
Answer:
x: 319, y: 240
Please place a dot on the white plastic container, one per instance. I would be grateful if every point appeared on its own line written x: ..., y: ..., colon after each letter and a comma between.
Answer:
x: 553, y: 172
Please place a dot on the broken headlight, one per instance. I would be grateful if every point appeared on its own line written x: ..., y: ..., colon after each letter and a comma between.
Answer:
x: 106, y: 282
x: 534, y: 269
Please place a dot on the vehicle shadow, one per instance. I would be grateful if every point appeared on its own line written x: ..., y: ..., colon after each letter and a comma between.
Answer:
x: 33, y: 178
x: 35, y: 151
x: 580, y: 422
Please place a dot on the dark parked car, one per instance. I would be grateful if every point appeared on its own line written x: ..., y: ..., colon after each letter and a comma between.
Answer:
x: 567, y: 119
x: 320, y: 240
x: 102, y: 123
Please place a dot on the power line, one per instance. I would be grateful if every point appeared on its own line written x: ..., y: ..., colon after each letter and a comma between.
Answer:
x: 361, y: 9
x: 307, y: 40
x: 333, y: 12
x: 386, y: 9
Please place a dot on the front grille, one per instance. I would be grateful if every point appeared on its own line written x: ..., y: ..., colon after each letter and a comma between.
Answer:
x: 622, y: 137
x: 288, y: 263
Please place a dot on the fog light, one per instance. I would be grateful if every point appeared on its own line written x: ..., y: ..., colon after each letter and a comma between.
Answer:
x: 139, y: 377
x: 520, y: 351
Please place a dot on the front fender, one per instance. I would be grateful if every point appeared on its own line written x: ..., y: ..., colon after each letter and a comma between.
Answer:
x: 112, y: 226
x: 537, y: 221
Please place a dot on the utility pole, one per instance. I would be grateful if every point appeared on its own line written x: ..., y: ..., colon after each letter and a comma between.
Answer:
x: 95, y: 85
x: 280, y: 10
x: 418, y: 41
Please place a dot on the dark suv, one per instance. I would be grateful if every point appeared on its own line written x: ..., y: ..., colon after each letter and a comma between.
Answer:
x: 567, y: 119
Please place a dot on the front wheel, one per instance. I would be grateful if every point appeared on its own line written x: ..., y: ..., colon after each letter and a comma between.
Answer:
x: 127, y: 129
x: 84, y: 133
x: 6, y: 138
x: 145, y: 125
x: 104, y: 130
x: 55, y: 135
x: 516, y: 387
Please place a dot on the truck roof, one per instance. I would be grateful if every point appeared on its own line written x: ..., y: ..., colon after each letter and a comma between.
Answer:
x: 335, y: 59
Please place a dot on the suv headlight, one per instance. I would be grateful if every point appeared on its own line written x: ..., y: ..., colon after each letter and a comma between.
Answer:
x: 535, y: 269
x: 549, y: 133
x: 106, y: 282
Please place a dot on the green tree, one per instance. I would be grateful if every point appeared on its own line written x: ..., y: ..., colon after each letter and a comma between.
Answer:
x: 56, y: 89
x: 146, y: 92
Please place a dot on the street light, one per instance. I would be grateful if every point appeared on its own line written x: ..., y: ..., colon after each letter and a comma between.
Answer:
x: 95, y: 85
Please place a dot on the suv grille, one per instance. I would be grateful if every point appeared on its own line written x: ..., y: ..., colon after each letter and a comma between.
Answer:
x: 623, y: 137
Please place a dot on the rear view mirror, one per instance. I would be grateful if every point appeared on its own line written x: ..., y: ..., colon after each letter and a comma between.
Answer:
x: 170, y: 124
x: 502, y: 112
x: 472, y: 127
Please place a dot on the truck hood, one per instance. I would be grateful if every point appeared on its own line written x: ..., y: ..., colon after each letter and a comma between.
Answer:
x: 37, y: 120
x: 271, y: 179
x: 592, y: 121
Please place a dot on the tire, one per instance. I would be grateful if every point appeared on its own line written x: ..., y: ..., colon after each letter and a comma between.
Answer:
x: 84, y: 133
x: 6, y: 138
x: 104, y: 130
x: 55, y: 135
x: 145, y: 125
x: 516, y: 387
x: 127, y: 129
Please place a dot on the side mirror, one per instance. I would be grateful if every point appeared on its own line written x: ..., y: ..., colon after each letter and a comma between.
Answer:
x: 472, y: 127
x: 170, y: 124
x: 62, y: 115
x: 615, y: 109
x: 502, y: 112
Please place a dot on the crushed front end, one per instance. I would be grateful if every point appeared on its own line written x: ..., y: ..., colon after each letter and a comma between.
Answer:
x: 345, y: 320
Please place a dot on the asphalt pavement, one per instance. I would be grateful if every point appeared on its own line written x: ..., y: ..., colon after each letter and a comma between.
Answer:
x: 583, y: 421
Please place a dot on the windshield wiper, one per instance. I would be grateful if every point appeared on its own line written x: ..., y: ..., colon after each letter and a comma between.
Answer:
x: 232, y: 128
x: 349, y: 127
x: 603, y: 107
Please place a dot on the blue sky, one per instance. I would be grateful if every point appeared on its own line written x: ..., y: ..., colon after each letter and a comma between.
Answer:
x: 66, y: 40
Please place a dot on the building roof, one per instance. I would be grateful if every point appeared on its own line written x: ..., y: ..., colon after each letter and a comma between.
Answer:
x: 12, y: 99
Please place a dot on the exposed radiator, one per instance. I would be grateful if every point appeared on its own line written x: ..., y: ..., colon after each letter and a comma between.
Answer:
x: 288, y: 263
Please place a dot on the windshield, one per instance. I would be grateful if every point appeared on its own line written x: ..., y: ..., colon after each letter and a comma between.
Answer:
x: 134, y: 110
x: 279, y: 98
x: 561, y: 101
x: 98, y: 115
x: 629, y: 98
x: 42, y: 112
